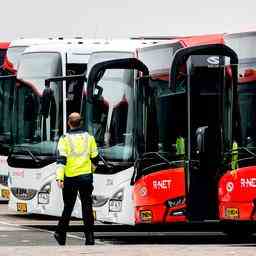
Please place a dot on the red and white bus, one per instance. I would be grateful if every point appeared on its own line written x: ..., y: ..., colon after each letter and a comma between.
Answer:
x: 237, y: 192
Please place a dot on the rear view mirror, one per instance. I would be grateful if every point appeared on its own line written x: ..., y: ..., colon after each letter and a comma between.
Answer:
x: 97, y: 92
x: 201, y: 138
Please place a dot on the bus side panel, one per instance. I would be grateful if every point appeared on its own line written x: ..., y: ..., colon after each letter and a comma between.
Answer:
x: 237, y: 194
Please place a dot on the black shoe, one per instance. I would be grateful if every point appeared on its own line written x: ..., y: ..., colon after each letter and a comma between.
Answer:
x: 89, y: 238
x: 61, y: 239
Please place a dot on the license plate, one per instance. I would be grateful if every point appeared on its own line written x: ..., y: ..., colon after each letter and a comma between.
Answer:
x: 5, y: 193
x: 115, y: 206
x: 22, y: 207
x: 43, y: 198
x: 146, y: 215
x: 232, y: 212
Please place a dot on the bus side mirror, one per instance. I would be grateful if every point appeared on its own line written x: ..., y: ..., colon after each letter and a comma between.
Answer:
x: 97, y: 92
x: 46, y: 101
x: 201, y: 138
x: 135, y: 173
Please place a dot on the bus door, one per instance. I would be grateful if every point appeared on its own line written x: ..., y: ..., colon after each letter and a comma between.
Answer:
x: 210, y: 77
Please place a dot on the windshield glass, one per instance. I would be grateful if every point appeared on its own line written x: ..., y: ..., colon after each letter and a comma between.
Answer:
x: 36, y: 67
x: 32, y: 128
x: 6, y: 101
x: 112, y: 115
x: 37, y: 127
x: 14, y: 53
x: 247, y: 100
x: 170, y: 124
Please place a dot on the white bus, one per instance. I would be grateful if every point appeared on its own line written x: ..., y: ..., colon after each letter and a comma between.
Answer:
x: 39, y: 119
x: 14, y: 51
x: 115, y: 117
x: 7, y: 84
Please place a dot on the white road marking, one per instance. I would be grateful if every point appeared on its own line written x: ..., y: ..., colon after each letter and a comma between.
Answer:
x: 6, y: 226
x: 15, y: 227
x: 25, y: 241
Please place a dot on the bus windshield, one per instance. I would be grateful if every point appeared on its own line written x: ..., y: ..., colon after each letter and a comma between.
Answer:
x: 34, y: 129
x: 36, y: 67
x: 247, y: 100
x: 6, y: 101
x: 112, y: 116
x: 169, y: 124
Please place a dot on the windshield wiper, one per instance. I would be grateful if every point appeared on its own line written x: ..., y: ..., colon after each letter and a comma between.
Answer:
x: 108, y: 165
x: 248, y: 150
x: 160, y: 157
x: 34, y: 158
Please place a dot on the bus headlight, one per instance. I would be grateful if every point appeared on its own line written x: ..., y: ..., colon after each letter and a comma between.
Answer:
x: 44, y: 194
x: 98, y: 201
x: 174, y: 202
x: 115, y: 202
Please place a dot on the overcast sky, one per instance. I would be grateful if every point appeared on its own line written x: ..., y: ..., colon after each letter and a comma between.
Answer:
x: 119, y: 18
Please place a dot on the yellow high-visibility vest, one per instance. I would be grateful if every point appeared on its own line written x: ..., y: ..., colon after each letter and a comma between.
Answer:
x: 78, y: 148
x: 180, y: 146
x: 234, y: 160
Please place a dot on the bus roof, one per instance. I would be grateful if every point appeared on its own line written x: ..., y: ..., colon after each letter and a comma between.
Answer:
x: 144, y: 50
x: 243, y: 43
x: 38, y: 41
x: 29, y: 41
x: 189, y: 41
x: 76, y: 50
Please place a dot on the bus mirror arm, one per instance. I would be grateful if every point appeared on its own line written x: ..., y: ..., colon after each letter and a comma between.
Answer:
x: 135, y: 173
x: 201, y: 137
x: 97, y: 92
x: 46, y: 101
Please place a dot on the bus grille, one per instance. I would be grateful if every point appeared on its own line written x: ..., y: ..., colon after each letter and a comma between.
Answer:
x: 23, y: 193
x: 4, y: 180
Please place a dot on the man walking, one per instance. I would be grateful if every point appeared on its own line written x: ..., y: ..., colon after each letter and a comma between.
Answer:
x: 77, y: 152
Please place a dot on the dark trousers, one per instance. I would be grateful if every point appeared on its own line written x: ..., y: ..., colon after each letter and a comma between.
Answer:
x: 72, y: 185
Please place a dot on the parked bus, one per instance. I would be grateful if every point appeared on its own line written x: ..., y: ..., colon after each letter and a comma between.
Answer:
x: 238, y: 190
x: 171, y: 185
x: 114, y: 126
x: 39, y: 119
x: 4, y: 118
x: 7, y: 83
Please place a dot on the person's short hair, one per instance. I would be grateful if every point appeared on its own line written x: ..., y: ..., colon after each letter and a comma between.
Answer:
x: 74, y: 119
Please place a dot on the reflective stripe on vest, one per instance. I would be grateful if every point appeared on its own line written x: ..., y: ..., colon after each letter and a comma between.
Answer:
x: 73, y: 150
